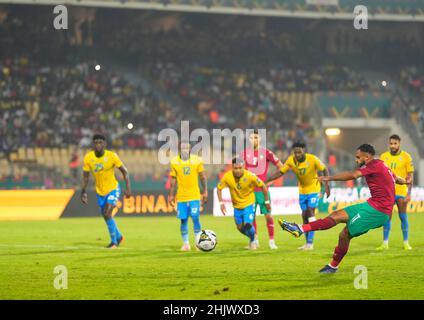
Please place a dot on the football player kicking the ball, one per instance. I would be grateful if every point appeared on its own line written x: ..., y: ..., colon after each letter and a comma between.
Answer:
x: 362, y: 217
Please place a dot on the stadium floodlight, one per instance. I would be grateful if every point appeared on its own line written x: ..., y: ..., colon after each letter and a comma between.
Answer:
x: 332, y: 131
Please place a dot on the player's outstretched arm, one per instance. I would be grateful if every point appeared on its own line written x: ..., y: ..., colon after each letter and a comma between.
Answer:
x: 325, y: 173
x: 204, y: 184
x: 221, y: 202
x: 274, y: 176
x: 172, y: 191
x: 126, y: 177
x: 344, y: 176
x: 282, y: 169
x: 85, y: 179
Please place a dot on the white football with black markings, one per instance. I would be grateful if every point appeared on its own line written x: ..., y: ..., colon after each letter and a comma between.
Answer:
x: 207, y: 240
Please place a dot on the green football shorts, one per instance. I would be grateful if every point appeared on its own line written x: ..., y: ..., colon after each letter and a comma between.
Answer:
x: 260, y: 200
x: 363, y: 218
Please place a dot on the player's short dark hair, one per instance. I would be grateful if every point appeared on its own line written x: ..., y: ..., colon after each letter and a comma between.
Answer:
x: 394, y: 137
x: 367, y: 148
x: 255, y: 131
x: 299, y: 144
x: 99, y: 137
x: 237, y: 160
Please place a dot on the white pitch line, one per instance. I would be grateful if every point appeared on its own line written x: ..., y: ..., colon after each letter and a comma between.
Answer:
x: 46, y: 246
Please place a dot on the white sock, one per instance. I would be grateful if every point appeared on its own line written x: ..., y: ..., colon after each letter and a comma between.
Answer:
x: 386, y: 242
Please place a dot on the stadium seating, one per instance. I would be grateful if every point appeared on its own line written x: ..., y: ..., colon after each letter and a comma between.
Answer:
x: 263, y: 74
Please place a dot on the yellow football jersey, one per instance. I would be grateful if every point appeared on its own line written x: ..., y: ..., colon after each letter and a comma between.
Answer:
x: 187, y: 174
x: 306, y: 172
x: 401, y: 164
x: 103, y: 170
x: 241, y: 191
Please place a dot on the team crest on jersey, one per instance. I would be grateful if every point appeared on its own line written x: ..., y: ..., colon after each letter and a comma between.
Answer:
x: 98, y: 167
x: 105, y: 159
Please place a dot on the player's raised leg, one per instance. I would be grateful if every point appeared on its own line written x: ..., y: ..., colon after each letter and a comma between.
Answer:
x: 340, y: 216
x: 330, y: 221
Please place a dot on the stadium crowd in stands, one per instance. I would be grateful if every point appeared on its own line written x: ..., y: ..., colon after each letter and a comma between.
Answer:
x: 412, y: 79
x: 54, y: 106
x: 51, y: 96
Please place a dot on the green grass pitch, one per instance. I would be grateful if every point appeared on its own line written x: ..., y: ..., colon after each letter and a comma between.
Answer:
x: 150, y: 266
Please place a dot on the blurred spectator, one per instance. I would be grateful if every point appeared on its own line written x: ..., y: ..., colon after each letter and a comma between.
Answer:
x: 74, y: 166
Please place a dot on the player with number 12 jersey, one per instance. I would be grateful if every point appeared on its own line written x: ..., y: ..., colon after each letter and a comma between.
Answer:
x: 186, y: 169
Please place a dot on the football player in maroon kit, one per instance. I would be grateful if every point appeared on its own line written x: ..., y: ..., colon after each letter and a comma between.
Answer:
x: 362, y: 217
x: 257, y: 160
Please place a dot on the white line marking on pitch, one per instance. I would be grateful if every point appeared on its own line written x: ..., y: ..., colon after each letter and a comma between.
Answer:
x: 46, y: 246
